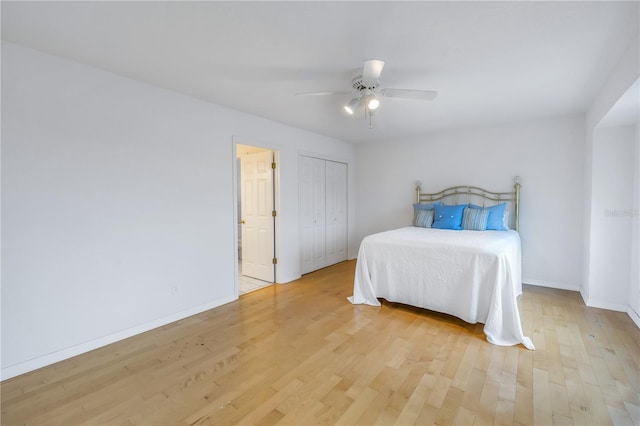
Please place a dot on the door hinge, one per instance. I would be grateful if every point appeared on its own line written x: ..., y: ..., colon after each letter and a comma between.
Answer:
x: 275, y: 261
x: 273, y: 165
x: 273, y: 213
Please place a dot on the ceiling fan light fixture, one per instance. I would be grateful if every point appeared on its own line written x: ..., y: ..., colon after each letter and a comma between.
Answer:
x: 352, y: 106
x: 373, y: 103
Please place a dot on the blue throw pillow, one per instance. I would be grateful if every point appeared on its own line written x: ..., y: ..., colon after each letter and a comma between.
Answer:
x: 475, y: 219
x: 495, y: 222
x: 423, y: 218
x: 423, y: 214
x: 448, y: 217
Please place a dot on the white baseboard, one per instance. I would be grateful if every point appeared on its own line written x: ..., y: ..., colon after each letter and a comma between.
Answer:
x: 634, y: 316
x: 601, y: 304
x: 584, y: 294
x: 589, y: 302
x: 61, y: 355
x: 551, y: 284
x: 288, y: 279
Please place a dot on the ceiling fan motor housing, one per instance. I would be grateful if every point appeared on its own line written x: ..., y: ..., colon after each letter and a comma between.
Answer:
x: 358, y: 84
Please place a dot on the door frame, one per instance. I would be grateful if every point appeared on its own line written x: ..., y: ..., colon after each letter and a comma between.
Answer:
x: 235, y: 141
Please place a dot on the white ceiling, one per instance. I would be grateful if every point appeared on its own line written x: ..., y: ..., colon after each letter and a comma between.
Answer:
x: 491, y: 62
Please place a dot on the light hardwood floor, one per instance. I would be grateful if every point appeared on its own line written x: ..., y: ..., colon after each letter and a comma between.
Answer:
x: 301, y: 354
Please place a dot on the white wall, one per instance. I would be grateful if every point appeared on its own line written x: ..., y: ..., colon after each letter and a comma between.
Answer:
x: 547, y: 154
x: 611, y: 218
x: 118, y: 205
x: 634, y: 275
x: 623, y: 75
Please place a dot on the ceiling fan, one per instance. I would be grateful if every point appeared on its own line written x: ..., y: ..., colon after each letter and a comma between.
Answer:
x: 367, y: 93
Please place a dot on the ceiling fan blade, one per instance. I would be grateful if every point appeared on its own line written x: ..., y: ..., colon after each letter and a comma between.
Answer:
x: 322, y: 93
x: 371, y: 71
x: 421, y: 95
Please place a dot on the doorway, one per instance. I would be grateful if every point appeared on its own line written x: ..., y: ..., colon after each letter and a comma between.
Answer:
x: 256, y: 217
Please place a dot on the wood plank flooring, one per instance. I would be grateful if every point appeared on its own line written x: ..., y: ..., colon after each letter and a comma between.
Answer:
x: 300, y: 354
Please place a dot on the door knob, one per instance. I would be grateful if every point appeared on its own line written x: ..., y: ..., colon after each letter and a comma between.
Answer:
x: 242, y: 222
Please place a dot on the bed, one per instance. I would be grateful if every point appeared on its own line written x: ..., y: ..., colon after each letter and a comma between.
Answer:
x: 472, y: 271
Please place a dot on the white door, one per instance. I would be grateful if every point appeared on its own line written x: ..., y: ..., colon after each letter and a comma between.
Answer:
x: 323, y: 213
x: 336, y: 212
x: 257, y: 216
x: 312, y: 213
x: 305, y: 203
x: 319, y: 220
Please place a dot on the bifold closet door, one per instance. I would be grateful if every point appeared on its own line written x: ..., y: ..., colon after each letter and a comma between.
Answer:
x: 336, y: 212
x: 312, y: 217
x: 323, y: 213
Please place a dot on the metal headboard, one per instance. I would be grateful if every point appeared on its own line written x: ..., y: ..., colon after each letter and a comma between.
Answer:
x: 458, y: 192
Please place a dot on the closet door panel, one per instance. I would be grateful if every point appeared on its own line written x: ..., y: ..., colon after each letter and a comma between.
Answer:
x: 319, y: 214
x: 306, y: 210
x: 336, y: 212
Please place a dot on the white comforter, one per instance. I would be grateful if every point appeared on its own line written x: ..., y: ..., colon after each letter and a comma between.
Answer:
x: 473, y: 275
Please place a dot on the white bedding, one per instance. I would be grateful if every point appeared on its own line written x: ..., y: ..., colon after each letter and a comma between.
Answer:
x: 473, y: 275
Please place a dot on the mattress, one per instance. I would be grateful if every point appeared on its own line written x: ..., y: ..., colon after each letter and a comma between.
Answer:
x: 473, y: 275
